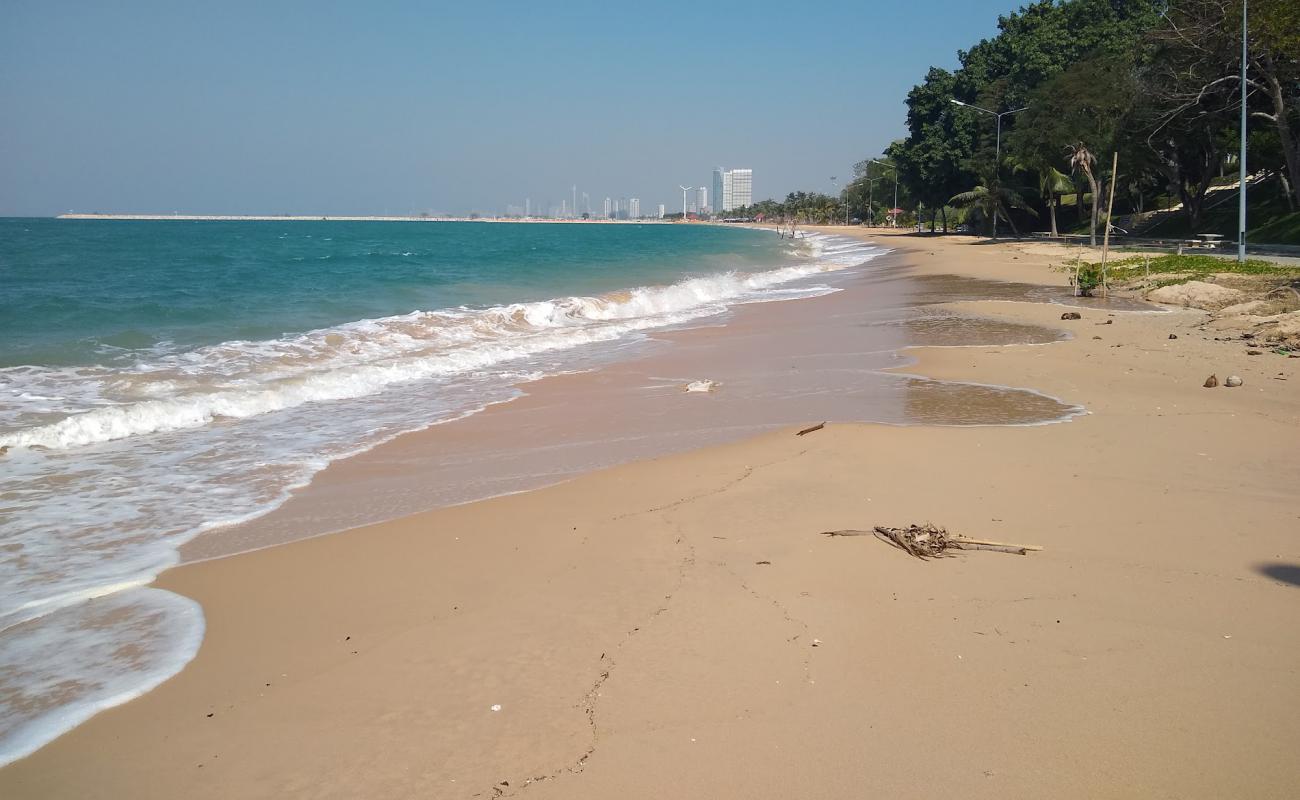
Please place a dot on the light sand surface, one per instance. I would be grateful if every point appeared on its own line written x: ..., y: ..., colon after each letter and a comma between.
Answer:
x: 678, y: 628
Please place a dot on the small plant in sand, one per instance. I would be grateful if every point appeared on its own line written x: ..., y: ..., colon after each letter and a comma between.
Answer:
x: 1087, y: 279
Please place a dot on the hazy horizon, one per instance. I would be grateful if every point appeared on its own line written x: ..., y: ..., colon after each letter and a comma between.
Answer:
x: 307, y: 109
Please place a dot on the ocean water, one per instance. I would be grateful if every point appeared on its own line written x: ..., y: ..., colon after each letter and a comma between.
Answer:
x: 160, y: 379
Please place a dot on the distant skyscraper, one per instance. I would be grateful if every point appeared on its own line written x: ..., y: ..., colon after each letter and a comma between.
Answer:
x: 662, y: 211
x: 703, y: 202
x: 528, y: 206
x: 742, y: 188
x: 737, y: 187
x: 719, y: 195
x: 609, y: 207
x: 634, y: 208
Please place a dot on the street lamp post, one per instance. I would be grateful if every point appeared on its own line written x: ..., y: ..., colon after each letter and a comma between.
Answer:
x: 1241, y: 180
x: 684, y: 189
x: 997, y: 151
x: 893, y: 213
x: 871, y: 186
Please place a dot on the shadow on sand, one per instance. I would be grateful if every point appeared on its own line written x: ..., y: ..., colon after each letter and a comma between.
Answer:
x: 1287, y: 573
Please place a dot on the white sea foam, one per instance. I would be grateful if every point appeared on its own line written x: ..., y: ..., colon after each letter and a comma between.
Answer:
x: 111, y: 469
x: 125, y: 643
x: 238, y: 380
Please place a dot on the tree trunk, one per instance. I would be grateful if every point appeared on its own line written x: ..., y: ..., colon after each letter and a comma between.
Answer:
x: 944, y: 211
x: 1290, y: 143
x: 1092, y: 226
x: 1078, y: 204
x: 1006, y: 214
x: 1051, y: 212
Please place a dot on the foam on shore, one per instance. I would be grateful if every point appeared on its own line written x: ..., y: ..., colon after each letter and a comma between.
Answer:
x: 110, y: 470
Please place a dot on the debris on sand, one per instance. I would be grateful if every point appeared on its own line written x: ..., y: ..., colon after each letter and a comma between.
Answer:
x: 702, y: 386
x: 1072, y: 315
x: 1232, y: 380
x: 1211, y: 382
x: 807, y: 431
x: 929, y: 541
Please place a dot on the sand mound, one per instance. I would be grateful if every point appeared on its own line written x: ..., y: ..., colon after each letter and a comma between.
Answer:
x: 1284, y: 329
x: 1250, y: 307
x: 1197, y: 294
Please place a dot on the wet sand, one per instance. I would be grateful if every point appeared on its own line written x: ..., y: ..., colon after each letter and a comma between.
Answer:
x: 774, y: 365
x: 676, y: 627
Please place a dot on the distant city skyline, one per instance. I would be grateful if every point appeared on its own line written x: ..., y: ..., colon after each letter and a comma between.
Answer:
x: 297, y: 107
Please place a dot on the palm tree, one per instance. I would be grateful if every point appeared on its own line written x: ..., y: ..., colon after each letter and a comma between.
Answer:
x: 989, y: 198
x: 1052, y: 183
x: 1082, y: 160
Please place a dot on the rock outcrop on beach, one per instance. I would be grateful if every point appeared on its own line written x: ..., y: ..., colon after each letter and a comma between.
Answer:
x: 1256, y: 308
x: 1197, y: 294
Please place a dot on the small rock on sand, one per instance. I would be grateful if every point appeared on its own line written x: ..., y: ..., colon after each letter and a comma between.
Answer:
x: 1211, y: 382
x: 1232, y: 380
x: 1072, y: 315
x: 1173, y: 336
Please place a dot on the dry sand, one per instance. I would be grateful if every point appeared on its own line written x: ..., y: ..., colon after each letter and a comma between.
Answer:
x: 678, y: 628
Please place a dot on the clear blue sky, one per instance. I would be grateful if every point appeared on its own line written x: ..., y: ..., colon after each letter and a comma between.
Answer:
x: 343, y: 107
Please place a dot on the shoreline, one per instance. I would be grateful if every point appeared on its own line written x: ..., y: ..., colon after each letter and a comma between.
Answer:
x: 400, y: 466
x: 703, y: 640
x: 345, y: 218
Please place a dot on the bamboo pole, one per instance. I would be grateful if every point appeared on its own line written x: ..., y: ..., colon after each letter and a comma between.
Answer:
x: 1110, y: 207
x: 1078, y: 262
x: 992, y: 543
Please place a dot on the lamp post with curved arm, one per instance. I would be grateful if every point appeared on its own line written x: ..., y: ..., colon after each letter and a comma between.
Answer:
x: 893, y: 212
x: 997, y: 151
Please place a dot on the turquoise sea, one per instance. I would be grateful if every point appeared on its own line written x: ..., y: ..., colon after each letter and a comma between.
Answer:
x: 159, y: 379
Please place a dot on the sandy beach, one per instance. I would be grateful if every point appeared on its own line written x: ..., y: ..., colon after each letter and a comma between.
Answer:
x: 678, y: 627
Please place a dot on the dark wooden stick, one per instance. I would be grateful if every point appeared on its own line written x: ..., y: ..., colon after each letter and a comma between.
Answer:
x: 816, y: 427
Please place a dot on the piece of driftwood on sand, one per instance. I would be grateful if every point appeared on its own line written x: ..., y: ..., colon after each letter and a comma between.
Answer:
x: 930, y: 541
x: 816, y: 427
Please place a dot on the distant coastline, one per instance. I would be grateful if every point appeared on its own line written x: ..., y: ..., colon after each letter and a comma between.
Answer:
x: 332, y: 218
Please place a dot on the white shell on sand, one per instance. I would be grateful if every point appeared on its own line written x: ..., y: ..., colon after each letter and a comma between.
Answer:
x: 701, y: 386
x: 1232, y: 380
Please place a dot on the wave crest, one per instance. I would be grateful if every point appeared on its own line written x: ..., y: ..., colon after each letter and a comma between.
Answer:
x: 241, y: 379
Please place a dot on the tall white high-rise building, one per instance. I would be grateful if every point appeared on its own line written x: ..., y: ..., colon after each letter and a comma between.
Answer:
x: 662, y: 211
x: 703, y: 192
x: 733, y: 188
x: 634, y: 208
x: 609, y: 207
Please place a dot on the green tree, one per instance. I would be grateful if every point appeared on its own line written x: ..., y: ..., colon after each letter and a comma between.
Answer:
x: 990, y: 198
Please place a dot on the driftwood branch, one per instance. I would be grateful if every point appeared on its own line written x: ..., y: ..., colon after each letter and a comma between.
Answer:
x: 929, y: 541
x: 816, y: 427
